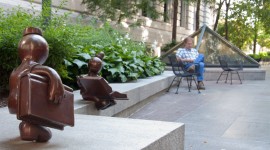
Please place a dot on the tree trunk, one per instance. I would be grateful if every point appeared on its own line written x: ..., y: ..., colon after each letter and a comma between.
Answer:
x: 218, y: 14
x: 198, y: 9
x: 255, y: 36
x: 174, y: 27
x: 254, y: 44
x: 226, y: 19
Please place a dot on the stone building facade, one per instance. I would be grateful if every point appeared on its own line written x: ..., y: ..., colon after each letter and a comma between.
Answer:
x: 159, y: 31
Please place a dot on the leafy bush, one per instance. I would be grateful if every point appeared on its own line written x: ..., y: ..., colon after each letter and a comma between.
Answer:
x: 72, y: 45
x: 266, y: 58
x: 12, y: 24
x: 122, y: 65
x: 255, y: 57
x: 59, y: 38
x: 124, y: 59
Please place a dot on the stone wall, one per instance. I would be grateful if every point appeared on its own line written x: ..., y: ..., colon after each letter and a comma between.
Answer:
x: 158, y: 32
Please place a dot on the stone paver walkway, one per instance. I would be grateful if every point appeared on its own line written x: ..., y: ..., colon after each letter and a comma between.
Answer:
x: 223, y: 117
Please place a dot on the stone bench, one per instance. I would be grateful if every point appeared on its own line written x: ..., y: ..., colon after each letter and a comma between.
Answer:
x: 98, y: 133
x: 137, y: 91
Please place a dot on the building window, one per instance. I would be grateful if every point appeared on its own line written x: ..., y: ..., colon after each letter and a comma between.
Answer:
x: 184, y: 14
x: 147, y: 9
x: 166, y: 12
x: 144, y: 11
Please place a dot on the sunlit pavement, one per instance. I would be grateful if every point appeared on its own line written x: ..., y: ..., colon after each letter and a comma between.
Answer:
x: 222, y: 117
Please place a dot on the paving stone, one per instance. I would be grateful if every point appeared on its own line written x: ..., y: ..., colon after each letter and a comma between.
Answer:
x: 222, y: 117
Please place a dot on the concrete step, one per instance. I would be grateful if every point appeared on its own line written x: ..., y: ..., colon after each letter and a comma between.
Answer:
x: 137, y: 91
x: 98, y: 133
x: 98, y: 130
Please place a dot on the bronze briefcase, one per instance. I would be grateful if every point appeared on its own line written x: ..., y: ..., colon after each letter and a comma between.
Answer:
x: 98, y: 87
x: 34, y: 105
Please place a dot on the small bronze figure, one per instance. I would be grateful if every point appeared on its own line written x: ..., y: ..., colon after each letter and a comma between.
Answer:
x: 37, y: 94
x: 96, y: 88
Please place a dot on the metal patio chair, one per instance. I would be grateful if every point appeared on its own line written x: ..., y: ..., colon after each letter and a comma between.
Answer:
x: 180, y: 72
x: 227, y: 69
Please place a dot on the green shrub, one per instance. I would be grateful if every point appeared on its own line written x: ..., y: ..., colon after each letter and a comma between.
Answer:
x: 62, y: 47
x: 58, y: 36
x: 12, y: 24
x: 262, y: 54
x: 124, y: 59
x: 72, y: 45
x: 255, y: 57
x: 122, y: 65
x: 266, y: 58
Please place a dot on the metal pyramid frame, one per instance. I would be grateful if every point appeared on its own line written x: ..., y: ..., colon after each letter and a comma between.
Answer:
x: 212, y: 45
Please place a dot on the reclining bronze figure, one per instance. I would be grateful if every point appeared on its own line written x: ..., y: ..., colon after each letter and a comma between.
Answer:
x: 95, y: 88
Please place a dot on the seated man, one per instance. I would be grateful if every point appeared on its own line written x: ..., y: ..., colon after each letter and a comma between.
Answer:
x: 190, y: 56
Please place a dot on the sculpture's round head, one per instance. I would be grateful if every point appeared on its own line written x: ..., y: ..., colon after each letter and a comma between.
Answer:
x: 100, y: 55
x: 33, y: 46
x: 94, y: 65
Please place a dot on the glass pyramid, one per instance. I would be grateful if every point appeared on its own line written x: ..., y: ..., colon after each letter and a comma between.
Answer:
x: 212, y: 45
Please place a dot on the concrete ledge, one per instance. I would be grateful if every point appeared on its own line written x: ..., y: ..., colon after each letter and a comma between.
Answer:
x: 99, y: 133
x: 212, y: 74
x: 136, y: 91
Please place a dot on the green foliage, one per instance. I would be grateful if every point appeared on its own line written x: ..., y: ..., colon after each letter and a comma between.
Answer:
x: 72, y: 45
x: 58, y: 36
x: 263, y: 56
x: 264, y: 39
x: 240, y: 39
x: 124, y: 59
x: 46, y: 11
x: 266, y: 58
x: 255, y: 57
x: 60, y: 39
x: 12, y: 24
x: 121, y: 9
x: 122, y: 64
x: 264, y: 17
x: 248, y: 24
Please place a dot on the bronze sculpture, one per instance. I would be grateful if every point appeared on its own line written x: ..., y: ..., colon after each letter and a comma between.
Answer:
x: 37, y: 94
x: 95, y: 88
